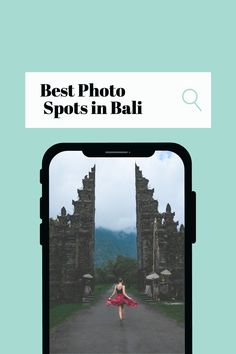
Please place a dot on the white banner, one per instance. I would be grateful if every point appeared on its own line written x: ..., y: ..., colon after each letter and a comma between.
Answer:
x: 118, y: 100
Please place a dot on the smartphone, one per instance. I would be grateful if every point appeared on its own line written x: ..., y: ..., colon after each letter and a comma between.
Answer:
x: 118, y: 224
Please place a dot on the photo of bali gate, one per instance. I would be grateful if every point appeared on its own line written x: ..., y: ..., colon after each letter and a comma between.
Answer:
x: 86, y: 261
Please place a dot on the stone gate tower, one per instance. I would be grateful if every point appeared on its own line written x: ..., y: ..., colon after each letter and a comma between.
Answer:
x: 146, y: 211
x: 160, y: 245
x: 71, y: 245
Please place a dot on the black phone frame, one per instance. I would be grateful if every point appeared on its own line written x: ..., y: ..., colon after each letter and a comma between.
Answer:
x: 120, y: 150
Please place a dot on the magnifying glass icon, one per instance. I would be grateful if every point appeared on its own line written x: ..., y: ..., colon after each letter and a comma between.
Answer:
x: 190, y: 96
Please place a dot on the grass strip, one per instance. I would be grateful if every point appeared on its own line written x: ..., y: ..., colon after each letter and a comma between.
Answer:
x: 62, y: 312
x: 175, y: 312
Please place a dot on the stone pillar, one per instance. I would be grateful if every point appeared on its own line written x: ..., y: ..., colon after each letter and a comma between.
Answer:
x: 83, y: 225
x: 57, y: 235
x: 146, y: 211
x: 72, y: 246
x: 162, y: 244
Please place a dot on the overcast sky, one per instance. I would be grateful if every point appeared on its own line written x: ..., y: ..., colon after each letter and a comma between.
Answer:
x: 115, y: 185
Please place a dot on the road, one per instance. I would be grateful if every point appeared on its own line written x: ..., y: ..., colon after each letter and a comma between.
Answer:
x: 99, y: 330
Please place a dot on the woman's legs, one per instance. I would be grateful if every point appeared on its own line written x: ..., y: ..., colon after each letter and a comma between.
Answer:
x: 123, y: 311
x: 120, y: 312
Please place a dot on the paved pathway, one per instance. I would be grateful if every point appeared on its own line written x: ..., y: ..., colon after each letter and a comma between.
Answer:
x: 99, y: 330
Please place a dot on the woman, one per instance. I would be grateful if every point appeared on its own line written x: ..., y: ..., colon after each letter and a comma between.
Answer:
x: 121, y: 298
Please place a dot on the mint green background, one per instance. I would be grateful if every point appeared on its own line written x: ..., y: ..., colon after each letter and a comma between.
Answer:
x: 118, y: 36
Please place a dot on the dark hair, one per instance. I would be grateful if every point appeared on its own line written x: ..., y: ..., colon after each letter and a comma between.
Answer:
x: 120, y: 280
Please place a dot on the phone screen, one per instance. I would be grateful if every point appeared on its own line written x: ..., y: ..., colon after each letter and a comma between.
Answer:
x: 117, y: 253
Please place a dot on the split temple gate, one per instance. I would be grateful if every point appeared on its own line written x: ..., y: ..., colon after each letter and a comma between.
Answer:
x: 160, y: 245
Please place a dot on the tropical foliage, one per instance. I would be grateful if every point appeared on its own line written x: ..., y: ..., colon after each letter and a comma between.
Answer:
x: 124, y: 267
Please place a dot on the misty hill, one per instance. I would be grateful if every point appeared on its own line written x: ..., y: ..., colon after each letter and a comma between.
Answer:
x: 109, y: 244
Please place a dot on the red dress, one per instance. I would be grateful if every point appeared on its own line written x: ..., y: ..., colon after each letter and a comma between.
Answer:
x: 121, y: 299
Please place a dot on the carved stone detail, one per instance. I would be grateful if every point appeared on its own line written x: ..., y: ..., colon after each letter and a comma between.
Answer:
x: 71, y: 246
x: 160, y: 245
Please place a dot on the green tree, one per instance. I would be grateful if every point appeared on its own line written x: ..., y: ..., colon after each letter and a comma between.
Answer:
x: 123, y: 267
x: 127, y: 269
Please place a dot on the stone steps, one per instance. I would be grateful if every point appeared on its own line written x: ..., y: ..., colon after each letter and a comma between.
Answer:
x: 87, y: 299
x: 146, y: 298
